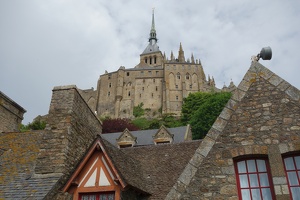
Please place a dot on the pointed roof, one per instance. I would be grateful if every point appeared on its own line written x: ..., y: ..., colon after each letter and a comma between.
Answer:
x: 256, y: 74
x: 163, y: 135
x: 126, y: 138
x: 152, y: 46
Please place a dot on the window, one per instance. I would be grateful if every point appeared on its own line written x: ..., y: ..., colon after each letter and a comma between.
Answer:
x: 191, y: 86
x: 108, y: 93
x: 155, y: 60
x: 187, y: 76
x: 143, y: 88
x: 292, y: 170
x: 178, y: 76
x: 153, y: 80
x: 127, y: 73
x: 98, y: 196
x: 156, y: 88
x: 176, y: 86
x: 109, y: 76
x: 150, y: 60
x: 129, y: 93
x: 253, y: 179
x: 176, y: 97
x: 146, y: 60
x: 109, y: 84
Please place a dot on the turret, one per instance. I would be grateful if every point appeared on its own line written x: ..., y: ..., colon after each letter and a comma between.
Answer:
x: 181, y: 54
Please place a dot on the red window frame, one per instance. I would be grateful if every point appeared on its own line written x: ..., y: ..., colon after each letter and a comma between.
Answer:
x: 257, y: 184
x: 292, y: 173
x: 98, y: 194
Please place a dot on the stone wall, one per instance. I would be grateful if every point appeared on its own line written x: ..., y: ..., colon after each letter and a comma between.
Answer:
x: 11, y: 114
x: 72, y: 127
x: 261, y: 119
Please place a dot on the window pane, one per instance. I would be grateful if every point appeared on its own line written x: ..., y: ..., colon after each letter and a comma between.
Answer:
x: 241, y: 167
x: 251, y: 166
x: 289, y: 164
x: 261, y: 165
x: 297, y: 159
x: 256, y: 194
x: 111, y: 197
x: 244, y: 181
x: 263, y: 179
x: 246, y: 194
x: 295, y: 192
x: 266, y: 193
x: 293, y: 180
x: 253, y: 180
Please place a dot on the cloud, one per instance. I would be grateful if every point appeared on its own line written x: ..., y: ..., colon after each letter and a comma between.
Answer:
x: 50, y: 43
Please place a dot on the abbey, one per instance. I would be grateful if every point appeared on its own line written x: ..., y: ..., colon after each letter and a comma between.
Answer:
x: 158, y: 82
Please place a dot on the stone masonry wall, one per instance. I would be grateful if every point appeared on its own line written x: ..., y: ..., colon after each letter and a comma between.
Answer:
x: 71, y: 129
x: 262, y: 118
x: 11, y: 114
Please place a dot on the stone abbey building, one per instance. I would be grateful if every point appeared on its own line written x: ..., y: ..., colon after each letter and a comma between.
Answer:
x: 160, y: 83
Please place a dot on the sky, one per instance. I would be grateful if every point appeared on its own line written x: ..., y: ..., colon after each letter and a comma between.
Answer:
x: 44, y: 44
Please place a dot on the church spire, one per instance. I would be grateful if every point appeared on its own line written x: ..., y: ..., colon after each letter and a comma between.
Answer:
x: 153, y: 38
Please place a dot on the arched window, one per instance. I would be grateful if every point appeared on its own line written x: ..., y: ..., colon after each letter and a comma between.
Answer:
x: 150, y: 60
x: 146, y: 60
x: 187, y: 76
x: 178, y: 75
x: 155, y: 60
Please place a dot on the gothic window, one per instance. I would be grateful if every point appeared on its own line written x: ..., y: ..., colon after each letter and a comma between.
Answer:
x: 146, y: 60
x: 292, y: 170
x: 187, y: 76
x: 178, y: 75
x: 254, y: 179
x: 127, y: 73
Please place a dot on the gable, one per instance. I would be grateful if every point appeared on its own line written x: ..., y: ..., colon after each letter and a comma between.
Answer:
x: 95, y: 174
x: 261, y: 118
x: 163, y: 136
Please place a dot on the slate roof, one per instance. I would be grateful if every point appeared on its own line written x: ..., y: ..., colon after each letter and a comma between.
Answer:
x: 18, y: 155
x: 144, y: 137
x: 153, y: 169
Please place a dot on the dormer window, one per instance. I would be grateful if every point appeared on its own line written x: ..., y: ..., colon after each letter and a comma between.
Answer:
x: 126, y: 139
x: 163, y: 136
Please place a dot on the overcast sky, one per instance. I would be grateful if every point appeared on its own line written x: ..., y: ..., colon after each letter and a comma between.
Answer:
x: 62, y: 42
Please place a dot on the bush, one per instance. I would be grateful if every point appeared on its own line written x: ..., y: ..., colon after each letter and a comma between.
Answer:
x: 35, y: 125
x: 138, y: 111
x: 117, y: 125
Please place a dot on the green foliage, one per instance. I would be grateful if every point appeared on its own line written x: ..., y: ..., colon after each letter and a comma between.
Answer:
x: 167, y: 120
x: 205, y: 114
x: 142, y: 123
x: 35, y: 125
x: 138, y: 111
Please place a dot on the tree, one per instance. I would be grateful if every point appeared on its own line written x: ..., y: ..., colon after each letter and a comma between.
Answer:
x: 191, y: 104
x: 35, y: 125
x: 201, y: 110
x: 117, y: 125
